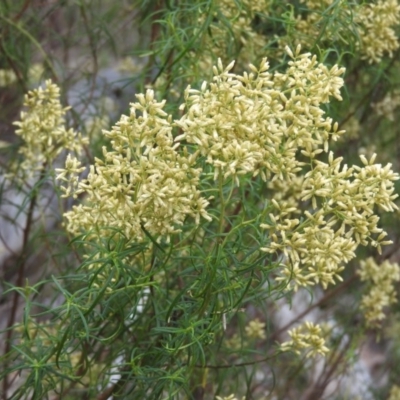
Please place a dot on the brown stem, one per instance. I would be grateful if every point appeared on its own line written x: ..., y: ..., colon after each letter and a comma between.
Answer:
x: 13, y: 313
x: 114, y: 388
x: 22, y: 10
x: 275, y: 335
x: 327, y: 296
x: 317, y: 390
x: 21, y: 262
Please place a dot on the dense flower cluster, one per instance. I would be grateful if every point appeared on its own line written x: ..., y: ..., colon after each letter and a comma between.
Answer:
x: 143, y: 184
x: 343, y: 201
x: 250, y: 124
x: 377, y: 22
x: 382, y: 292
x: 256, y: 123
x: 288, y: 196
x: 42, y: 128
x: 306, y: 337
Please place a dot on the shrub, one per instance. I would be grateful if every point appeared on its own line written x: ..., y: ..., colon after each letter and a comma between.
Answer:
x: 147, y: 255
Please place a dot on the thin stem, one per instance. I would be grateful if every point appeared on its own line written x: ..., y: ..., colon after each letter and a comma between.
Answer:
x: 22, y: 10
x: 328, y: 295
x: 223, y: 203
x: 21, y: 270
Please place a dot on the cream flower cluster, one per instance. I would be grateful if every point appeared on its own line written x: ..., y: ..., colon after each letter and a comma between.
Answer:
x: 42, y: 128
x: 255, y: 329
x: 377, y: 22
x: 243, y: 125
x: 308, y: 337
x: 287, y: 195
x: 35, y: 73
x: 7, y: 77
x: 256, y: 123
x: 388, y: 105
x: 143, y: 183
x: 382, y: 292
x: 342, y: 217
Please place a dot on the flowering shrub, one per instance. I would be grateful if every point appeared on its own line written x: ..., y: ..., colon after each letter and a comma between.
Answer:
x: 220, y: 192
x: 42, y: 128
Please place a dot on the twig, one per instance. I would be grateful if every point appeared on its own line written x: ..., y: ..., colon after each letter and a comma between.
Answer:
x: 21, y: 272
x: 327, y: 296
x: 22, y: 10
